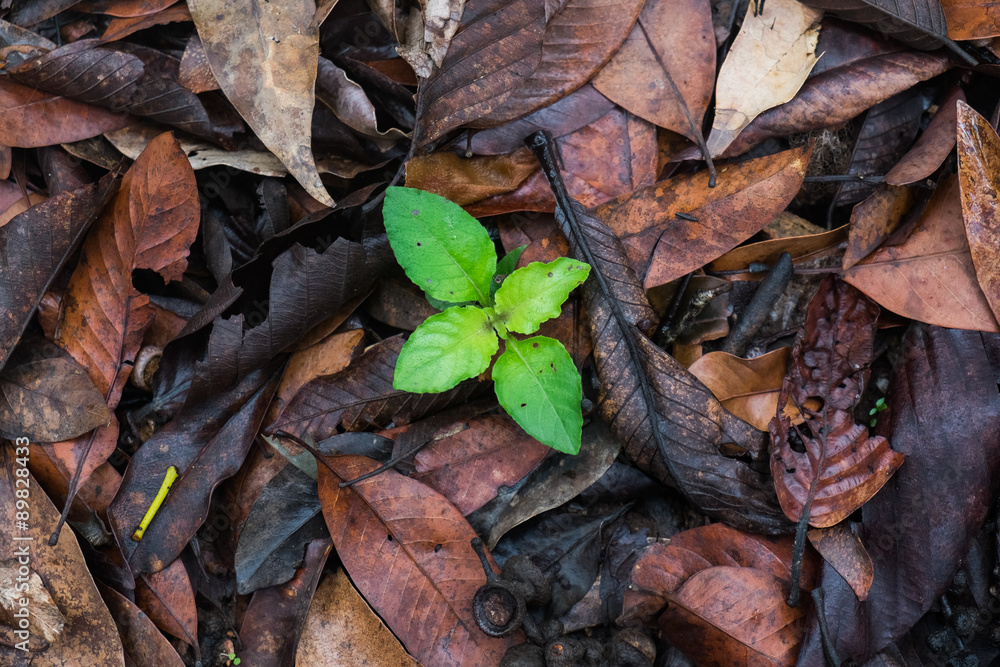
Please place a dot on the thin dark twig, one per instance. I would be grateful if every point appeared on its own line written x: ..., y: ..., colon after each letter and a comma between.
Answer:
x: 845, y: 178
x: 675, y: 303
x: 829, y: 650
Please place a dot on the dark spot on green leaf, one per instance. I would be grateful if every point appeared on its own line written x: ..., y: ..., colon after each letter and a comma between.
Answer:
x: 550, y: 274
x: 414, y: 212
x: 419, y: 244
x: 534, y: 345
x: 523, y: 404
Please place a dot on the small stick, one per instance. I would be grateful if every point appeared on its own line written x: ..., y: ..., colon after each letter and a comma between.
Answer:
x: 161, y: 495
x: 760, y: 306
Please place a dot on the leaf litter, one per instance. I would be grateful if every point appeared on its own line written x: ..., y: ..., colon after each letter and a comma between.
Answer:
x: 195, y: 274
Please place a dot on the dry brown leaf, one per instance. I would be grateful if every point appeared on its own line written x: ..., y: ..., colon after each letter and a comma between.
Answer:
x: 30, y: 118
x: 930, y: 277
x: 655, y: 80
x: 769, y: 61
x: 933, y: 146
x: 972, y: 19
x: 89, y: 636
x: 342, y: 630
x: 748, y: 388
x: 847, y: 554
x: 874, y: 219
x: 265, y: 56
x: 44, y: 617
x: 978, y: 174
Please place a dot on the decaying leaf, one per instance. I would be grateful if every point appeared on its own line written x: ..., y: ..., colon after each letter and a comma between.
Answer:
x: 847, y: 555
x: 768, y: 63
x: 649, y: 60
x: 726, y: 592
x: 27, y: 592
x: 88, y: 635
x: 748, y: 388
x: 841, y: 467
x: 48, y: 400
x: 933, y: 146
x: 929, y: 277
x: 978, y: 164
x: 407, y: 548
x: 670, y: 423
x: 341, y: 628
x: 265, y: 61
x: 663, y: 246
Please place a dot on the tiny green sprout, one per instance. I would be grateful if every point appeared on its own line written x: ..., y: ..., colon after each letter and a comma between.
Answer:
x: 880, y: 406
x: 449, y: 255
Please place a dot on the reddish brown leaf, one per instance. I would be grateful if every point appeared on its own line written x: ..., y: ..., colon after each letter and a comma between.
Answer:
x: 468, y: 467
x: 708, y: 618
x: 274, y: 619
x: 650, y: 60
x: 195, y: 74
x: 168, y: 599
x: 664, y: 568
x: 497, y: 46
x: 930, y: 277
x: 151, y: 224
x: 468, y: 180
x: 35, y: 245
x: 978, y: 164
x: 579, y: 38
x: 836, y: 96
x: 933, y: 146
x: 207, y: 443
x: 662, y: 247
x: 407, y: 549
x: 841, y: 467
x: 30, y: 118
x: 144, y: 645
x: 874, y: 219
x: 748, y: 388
x: 844, y: 551
x: 918, y: 529
x: 124, y: 8
x: 612, y: 156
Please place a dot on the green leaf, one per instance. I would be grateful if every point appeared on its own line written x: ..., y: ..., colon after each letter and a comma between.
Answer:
x: 535, y: 293
x: 538, y: 385
x: 443, y: 249
x: 438, y: 304
x: 505, y: 267
x: 446, y: 349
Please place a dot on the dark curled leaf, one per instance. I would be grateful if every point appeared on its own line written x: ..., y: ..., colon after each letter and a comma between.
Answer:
x: 918, y: 23
x: 306, y: 287
x: 283, y: 520
x: 207, y: 443
x: 35, y: 245
x: 118, y: 81
x: 841, y: 467
x: 671, y: 424
x: 361, y: 396
x: 944, y: 416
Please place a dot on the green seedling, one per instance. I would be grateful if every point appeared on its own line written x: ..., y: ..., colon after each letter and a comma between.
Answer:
x: 880, y: 406
x: 450, y: 256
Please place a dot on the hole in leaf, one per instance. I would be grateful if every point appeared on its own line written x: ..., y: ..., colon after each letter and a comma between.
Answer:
x: 523, y: 404
x: 535, y: 345
x: 389, y: 537
x: 795, y: 441
x: 437, y: 548
x: 790, y: 471
x: 419, y: 244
